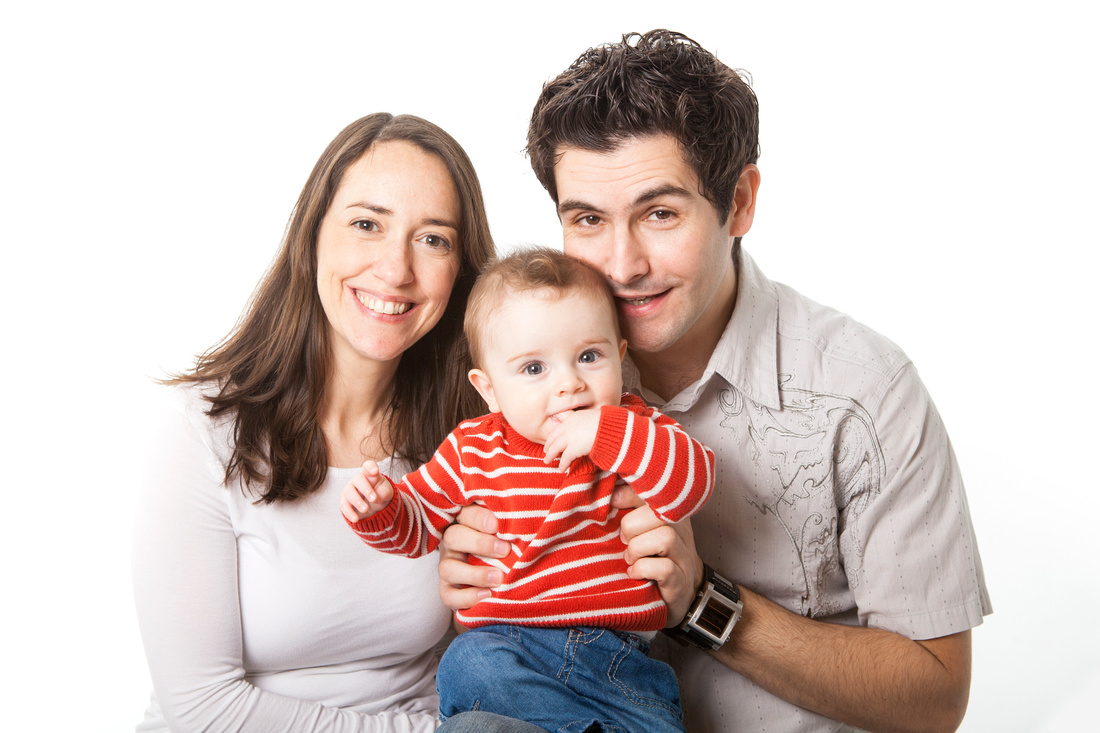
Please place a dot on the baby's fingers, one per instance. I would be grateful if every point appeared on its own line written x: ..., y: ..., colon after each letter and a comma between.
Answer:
x: 364, y: 486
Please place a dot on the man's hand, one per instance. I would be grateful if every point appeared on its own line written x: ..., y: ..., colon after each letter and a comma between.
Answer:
x: 461, y: 585
x: 572, y: 438
x: 661, y: 552
x: 366, y: 494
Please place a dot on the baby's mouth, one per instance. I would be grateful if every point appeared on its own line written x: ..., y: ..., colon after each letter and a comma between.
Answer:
x: 557, y: 415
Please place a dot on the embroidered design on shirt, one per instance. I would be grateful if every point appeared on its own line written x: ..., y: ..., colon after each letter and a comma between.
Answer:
x: 820, y: 458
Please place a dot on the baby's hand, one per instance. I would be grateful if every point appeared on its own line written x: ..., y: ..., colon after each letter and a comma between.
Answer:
x: 368, y: 493
x: 573, y: 438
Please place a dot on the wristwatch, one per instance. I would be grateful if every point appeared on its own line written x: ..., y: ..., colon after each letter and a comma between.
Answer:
x: 713, y: 614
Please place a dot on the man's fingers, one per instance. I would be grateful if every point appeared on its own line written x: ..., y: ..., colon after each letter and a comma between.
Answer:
x: 623, y: 497
x: 462, y: 539
x: 639, y: 521
x: 661, y: 541
x: 457, y: 572
x: 478, y: 518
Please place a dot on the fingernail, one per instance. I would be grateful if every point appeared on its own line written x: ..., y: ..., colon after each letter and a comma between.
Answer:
x: 495, y: 578
x: 483, y: 594
x: 501, y: 548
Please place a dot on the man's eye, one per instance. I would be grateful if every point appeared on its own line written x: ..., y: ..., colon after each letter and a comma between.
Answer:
x: 590, y: 356
x: 662, y: 214
x: 590, y: 220
x: 533, y: 369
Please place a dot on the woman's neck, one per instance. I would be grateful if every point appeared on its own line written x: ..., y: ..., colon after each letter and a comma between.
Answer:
x: 357, y: 398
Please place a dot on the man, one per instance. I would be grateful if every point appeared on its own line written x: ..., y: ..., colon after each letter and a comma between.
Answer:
x: 839, y: 528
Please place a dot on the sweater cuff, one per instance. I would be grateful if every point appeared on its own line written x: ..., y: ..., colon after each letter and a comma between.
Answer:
x: 609, y: 436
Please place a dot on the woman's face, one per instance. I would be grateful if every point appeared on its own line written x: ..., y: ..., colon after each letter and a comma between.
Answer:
x: 388, y: 252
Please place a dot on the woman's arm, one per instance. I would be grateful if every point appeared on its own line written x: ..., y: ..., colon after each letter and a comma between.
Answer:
x: 185, y: 589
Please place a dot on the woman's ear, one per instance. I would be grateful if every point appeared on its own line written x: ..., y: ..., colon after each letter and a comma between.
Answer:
x: 484, y: 387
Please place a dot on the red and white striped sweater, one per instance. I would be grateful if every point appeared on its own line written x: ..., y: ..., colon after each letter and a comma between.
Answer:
x: 567, y: 564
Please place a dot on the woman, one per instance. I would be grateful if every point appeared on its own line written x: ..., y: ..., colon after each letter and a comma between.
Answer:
x: 258, y: 609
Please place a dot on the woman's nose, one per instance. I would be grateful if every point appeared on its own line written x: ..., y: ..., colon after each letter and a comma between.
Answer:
x: 395, y: 266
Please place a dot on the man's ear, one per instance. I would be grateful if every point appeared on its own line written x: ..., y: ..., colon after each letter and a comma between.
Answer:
x: 744, y: 201
x: 484, y: 387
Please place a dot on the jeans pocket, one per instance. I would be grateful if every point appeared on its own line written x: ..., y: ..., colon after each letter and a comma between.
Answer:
x: 643, y: 681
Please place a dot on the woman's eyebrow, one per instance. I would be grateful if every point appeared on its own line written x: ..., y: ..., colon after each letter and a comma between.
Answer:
x: 377, y: 208
x: 384, y: 211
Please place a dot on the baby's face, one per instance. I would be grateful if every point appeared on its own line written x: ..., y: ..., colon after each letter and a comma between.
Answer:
x: 548, y: 354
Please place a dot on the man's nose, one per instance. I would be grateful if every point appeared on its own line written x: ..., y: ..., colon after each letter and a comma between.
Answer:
x: 628, y: 261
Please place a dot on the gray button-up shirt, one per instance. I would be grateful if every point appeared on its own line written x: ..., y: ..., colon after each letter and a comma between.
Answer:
x: 837, y: 495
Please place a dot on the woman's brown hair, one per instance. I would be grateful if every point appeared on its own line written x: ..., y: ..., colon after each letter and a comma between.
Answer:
x: 271, y: 370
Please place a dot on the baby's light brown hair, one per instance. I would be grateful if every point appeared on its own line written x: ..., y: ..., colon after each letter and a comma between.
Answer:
x: 534, y: 268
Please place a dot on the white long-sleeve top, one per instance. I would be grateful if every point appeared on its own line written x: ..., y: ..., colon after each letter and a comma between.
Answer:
x: 273, y: 617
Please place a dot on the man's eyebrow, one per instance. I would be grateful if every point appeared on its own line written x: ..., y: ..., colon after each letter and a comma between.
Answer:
x: 667, y: 189
x: 576, y: 205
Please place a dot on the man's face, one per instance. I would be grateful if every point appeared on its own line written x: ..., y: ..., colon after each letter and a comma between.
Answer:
x: 637, y: 215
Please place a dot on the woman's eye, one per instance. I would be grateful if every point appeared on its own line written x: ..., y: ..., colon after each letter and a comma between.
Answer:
x: 435, y: 241
x: 590, y: 356
x: 533, y: 369
x: 365, y: 225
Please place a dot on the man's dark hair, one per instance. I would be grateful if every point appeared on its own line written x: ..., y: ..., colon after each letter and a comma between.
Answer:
x: 659, y: 82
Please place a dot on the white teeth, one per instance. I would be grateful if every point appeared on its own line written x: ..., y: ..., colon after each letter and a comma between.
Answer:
x: 638, y: 301
x: 386, y: 307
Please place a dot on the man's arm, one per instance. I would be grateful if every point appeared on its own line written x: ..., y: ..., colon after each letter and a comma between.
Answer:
x: 869, y: 678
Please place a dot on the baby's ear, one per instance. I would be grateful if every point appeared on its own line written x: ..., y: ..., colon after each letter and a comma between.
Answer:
x: 622, y: 349
x: 484, y: 387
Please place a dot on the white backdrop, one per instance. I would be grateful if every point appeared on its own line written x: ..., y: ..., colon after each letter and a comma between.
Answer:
x: 928, y: 168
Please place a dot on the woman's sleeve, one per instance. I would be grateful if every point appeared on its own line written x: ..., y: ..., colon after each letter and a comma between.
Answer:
x: 185, y: 589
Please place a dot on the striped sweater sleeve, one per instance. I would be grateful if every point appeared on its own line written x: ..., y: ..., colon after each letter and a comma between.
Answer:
x: 424, y: 503
x: 671, y: 471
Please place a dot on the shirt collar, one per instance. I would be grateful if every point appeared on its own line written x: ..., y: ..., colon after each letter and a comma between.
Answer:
x: 746, y: 355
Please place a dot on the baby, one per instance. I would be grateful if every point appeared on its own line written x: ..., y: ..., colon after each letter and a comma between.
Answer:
x: 563, y: 640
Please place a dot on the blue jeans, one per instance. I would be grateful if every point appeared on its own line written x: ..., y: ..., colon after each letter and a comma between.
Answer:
x: 562, y: 679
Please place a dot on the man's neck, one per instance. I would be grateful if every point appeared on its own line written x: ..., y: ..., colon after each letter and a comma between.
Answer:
x: 667, y: 373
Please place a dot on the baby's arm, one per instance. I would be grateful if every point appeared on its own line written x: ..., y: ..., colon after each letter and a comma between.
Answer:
x: 407, y: 517
x: 366, y: 494
x: 671, y: 471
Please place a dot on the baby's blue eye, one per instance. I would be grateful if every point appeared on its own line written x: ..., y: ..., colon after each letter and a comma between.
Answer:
x: 589, y: 356
x: 534, y: 369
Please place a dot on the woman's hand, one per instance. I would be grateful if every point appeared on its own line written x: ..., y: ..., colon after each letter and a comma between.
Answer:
x: 661, y: 552
x: 461, y: 585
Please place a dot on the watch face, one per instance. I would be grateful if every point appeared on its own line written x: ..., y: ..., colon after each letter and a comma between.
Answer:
x: 713, y: 620
x: 715, y: 616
